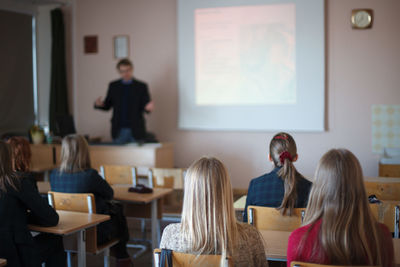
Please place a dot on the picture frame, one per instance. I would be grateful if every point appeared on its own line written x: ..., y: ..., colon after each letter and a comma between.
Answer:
x: 121, y: 46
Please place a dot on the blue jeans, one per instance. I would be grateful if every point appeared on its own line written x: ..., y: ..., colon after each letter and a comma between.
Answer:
x: 124, y: 136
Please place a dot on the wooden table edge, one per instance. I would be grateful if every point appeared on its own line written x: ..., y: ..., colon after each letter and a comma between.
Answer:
x: 53, y: 229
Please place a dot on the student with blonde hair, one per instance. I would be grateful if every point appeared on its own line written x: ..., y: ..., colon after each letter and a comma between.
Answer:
x: 208, y: 223
x: 339, y: 226
x: 76, y: 175
x: 284, y: 187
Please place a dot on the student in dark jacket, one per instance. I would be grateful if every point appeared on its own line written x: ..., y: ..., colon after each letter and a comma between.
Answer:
x: 20, y: 205
x: 130, y: 99
x: 284, y: 187
x: 21, y: 158
x: 76, y: 176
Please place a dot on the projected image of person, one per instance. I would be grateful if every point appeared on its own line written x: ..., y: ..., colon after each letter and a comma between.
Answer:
x: 268, y: 63
x: 245, y: 55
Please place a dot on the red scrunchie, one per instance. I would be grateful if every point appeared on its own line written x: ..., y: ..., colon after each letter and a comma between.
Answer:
x: 285, y: 155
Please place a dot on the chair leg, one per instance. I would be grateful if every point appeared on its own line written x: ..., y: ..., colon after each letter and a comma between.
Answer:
x: 143, y: 227
x: 69, y: 259
x: 107, y: 257
x: 159, y: 230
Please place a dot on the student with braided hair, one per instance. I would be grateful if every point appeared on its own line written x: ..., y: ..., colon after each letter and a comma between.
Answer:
x: 284, y: 187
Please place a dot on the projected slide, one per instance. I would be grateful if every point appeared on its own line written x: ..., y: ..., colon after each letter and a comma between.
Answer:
x: 245, y: 55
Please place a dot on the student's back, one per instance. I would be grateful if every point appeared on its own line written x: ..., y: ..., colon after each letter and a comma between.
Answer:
x: 20, y: 204
x: 209, y: 224
x: 284, y: 187
x: 340, y: 228
x: 85, y: 181
x: 75, y: 175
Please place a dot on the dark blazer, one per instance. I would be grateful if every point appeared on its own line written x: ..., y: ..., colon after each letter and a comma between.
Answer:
x: 17, y: 209
x: 88, y: 181
x: 268, y: 191
x: 138, y: 99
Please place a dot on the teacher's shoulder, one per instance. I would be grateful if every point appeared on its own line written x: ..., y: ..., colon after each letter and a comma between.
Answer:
x: 140, y: 83
x: 114, y: 83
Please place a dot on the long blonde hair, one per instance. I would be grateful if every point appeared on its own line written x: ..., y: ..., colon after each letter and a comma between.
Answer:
x: 208, y: 216
x: 74, y: 154
x: 283, y: 151
x: 349, y: 234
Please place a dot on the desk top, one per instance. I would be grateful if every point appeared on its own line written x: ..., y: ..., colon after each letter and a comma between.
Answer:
x: 240, y: 203
x: 382, y: 180
x: 43, y: 187
x: 121, y: 193
x: 3, y: 262
x: 71, y: 222
x: 276, y: 243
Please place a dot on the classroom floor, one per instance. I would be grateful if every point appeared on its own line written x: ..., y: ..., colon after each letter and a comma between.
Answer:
x: 134, y: 230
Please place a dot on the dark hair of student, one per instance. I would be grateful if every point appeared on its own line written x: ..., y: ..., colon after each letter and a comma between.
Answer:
x: 283, y: 151
x: 7, y: 175
x: 21, y: 153
x: 124, y: 62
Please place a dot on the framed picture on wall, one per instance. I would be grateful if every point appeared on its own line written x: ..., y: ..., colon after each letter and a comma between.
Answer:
x: 121, y: 46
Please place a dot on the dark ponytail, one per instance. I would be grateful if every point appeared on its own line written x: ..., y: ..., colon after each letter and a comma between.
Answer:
x: 283, y: 151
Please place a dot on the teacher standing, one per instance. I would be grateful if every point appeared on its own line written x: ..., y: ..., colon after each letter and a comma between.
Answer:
x: 130, y: 99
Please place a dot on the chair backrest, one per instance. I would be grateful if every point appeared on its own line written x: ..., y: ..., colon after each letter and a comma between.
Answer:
x: 390, y: 215
x: 119, y: 174
x: 265, y: 218
x: 80, y: 202
x: 307, y: 264
x: 72, y: 201
x: 384, y: 189
x: 191, y: 260
x: 166, y: 178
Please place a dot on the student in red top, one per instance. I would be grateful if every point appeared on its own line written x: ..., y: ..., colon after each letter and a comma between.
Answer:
x: 339, y: 226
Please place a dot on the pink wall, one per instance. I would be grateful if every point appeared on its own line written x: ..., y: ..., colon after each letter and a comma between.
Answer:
x: 362, y: 69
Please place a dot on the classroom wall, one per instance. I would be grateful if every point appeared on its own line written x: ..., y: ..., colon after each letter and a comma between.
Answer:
x: 362, y: 69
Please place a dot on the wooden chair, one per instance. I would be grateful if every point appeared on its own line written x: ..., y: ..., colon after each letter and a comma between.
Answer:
x: 306, y: 264
x: 119, y: 174
x: 390, y: 216
x: 191, y: 260
x: 383, y: 188
x: 265, y: 218
x: 169, y: 178
x: 81, y: 203
x: 396, y: 246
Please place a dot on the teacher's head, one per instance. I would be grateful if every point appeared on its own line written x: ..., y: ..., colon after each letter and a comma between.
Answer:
x: 125, y: 69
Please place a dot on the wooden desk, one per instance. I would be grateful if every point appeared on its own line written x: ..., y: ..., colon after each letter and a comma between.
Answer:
x: 159, y: 155
x: 43, y: 187
x: 3, y: 262
x: 121, y: 193
x: 74, y: 222
x: 276, y: 243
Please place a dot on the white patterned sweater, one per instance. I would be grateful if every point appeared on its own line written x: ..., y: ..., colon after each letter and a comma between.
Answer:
x: 248, y: 254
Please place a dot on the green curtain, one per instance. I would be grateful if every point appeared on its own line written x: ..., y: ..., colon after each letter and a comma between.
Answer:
x: 58, y: 86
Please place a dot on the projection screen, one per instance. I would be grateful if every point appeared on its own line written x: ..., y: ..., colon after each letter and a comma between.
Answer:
x: 251, y: 65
